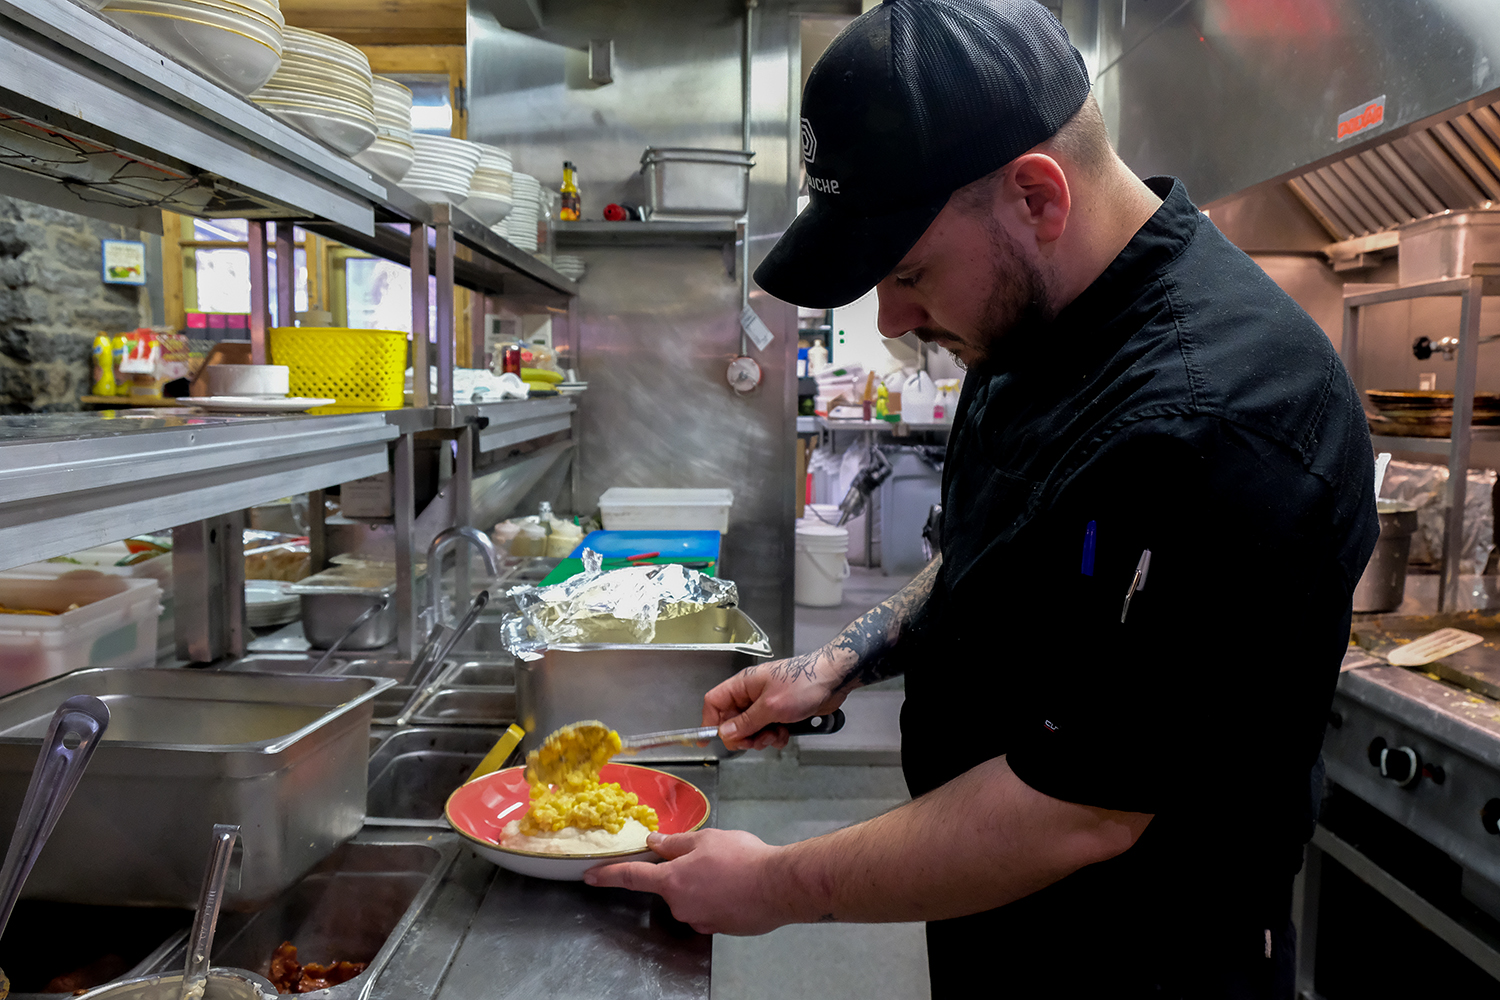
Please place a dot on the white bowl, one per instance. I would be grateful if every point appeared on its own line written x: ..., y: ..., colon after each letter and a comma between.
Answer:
x: 249, y: 380
x: 488, y: 209
x: 236, y: 59
x: 386, y: 158
x: 343, y: 134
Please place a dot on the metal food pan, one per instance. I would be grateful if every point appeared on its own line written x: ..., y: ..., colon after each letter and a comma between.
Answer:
x: 282, y: 755
x: 1448, y: 244
x: 640, y: 687
x: 709, y: 182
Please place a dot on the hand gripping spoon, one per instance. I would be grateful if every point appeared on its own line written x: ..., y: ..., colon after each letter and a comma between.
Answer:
x: 79, y: 721
x: 200, y: 941
x: 576, y: 744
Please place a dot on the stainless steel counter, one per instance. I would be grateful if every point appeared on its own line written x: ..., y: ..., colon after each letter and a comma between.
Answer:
x: 489, y: 934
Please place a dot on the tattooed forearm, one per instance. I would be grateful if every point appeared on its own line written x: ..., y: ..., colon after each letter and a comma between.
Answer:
x: 871, y: 637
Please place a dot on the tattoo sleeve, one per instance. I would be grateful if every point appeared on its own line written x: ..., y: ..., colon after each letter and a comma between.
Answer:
x: 860, y: 653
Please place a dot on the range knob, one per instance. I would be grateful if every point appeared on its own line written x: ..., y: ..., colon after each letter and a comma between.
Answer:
x: 1401, y: 764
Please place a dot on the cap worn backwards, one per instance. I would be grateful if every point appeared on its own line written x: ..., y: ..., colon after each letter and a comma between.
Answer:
x: 912, y: 101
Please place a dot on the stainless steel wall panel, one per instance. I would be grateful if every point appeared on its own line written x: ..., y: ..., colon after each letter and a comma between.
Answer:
x: 656, y: 327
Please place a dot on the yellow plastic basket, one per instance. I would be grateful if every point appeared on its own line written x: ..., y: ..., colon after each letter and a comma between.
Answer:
x: 355, y: 367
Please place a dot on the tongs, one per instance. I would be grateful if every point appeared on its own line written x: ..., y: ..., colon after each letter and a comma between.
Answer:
x: 817, y: 725
x: 426, y: 667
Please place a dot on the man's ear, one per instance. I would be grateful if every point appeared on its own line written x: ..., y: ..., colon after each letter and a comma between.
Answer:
x: 1036, y: 189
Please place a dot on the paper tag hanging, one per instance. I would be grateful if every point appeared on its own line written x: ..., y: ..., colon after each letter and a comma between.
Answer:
x: 1443, y: 642
x: 760, y: 334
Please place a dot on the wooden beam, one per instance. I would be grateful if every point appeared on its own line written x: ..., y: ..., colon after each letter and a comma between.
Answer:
x: 382, y: 22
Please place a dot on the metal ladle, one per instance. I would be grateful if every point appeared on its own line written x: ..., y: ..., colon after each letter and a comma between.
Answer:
x: 200, y: 941
x: 79, y: 721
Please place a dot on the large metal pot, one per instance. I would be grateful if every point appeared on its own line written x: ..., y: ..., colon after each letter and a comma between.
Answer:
x: 282, y: 755
x: 1382, y: 587
x: 640, y: 687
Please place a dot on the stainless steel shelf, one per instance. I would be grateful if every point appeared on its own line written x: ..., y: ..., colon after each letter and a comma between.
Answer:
x: 1426, y: 445
x: 69, y: 68
x: 512, y: 422
x: 75, y: 480
x: 712, y: 232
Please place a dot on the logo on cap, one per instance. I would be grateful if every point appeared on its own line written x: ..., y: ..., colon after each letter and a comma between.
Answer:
x: 809, y: 142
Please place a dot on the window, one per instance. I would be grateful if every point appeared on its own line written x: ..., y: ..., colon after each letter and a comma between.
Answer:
x: 215, y: 274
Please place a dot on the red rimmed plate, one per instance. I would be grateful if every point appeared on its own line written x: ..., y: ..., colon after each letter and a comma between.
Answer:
x: 480, y: 809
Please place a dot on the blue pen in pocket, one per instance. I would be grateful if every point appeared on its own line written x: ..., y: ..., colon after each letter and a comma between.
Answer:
x: 1088, y: 548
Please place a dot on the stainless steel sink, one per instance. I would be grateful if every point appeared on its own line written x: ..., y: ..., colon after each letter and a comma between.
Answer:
x: 90, y: 945
x: 479, y: 674
x: 414, y: 770
x: 355, y: 907
x: 468, y: 706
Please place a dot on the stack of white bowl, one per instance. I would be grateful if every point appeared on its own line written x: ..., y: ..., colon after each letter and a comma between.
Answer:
x: 490, y: 189
x: 443, y: 168
x: 324, y: 89
x: 568, y: 266
x: 235, y: 43
x: 520, y: 225
x: 392, y: 152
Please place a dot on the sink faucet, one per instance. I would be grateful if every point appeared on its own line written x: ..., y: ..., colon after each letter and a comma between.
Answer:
x: 445, y: 540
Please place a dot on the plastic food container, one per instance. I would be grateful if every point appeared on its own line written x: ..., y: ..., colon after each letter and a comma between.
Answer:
x: 659, y: 509
x: 697, y: 182
x: 115, y: 625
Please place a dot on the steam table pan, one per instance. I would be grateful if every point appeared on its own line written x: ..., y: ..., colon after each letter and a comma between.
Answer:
x: 283, y: 755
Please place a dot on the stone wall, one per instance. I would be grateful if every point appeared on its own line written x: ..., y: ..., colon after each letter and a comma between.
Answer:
x: 53, y: 303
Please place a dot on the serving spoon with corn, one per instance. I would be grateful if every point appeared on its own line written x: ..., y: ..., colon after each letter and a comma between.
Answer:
x: 578, y: 744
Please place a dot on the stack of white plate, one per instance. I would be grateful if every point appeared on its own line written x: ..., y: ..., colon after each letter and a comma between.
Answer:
x: 268, y: 602
x: 235, y: 43
x: 568, y: 266
x: 520, y: 225
x: 490, y: 189
x: 392, y: 152
x: 323, y: 88
x: 443, y: 169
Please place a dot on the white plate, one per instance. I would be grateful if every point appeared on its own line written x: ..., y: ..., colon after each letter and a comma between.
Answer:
x: 245, y: 404
x: 236, y: 59
x: 386, y: 158
x: 343, y: 134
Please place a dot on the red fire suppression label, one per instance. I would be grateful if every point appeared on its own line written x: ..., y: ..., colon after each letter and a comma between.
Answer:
x: 1361, y: 119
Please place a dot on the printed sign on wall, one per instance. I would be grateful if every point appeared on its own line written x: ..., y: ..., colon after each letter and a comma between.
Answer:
x: 124, y: 262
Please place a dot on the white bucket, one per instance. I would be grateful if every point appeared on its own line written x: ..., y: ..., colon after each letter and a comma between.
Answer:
x: 821, y: 565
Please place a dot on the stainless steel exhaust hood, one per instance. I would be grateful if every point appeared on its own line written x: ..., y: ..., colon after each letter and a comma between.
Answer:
x: 1230, y: 95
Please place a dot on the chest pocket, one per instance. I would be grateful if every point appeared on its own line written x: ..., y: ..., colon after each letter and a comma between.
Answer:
x: 982, y: 508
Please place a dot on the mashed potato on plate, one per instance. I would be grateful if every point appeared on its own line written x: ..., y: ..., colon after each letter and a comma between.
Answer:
x: 572, y: 812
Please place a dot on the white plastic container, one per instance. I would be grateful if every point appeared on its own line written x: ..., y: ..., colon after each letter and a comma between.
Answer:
x: 118, y: 630
x: 103, y: 558
x: 657, y: 509
x: 821, y: 565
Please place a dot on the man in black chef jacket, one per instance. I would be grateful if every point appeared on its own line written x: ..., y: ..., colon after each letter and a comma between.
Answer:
x: 1156, y: 505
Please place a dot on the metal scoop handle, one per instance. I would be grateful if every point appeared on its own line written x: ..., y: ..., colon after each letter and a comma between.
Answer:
x: 364, y: 616
x: 210, y: 899
x: 817, y: 725
x: 58, y: 769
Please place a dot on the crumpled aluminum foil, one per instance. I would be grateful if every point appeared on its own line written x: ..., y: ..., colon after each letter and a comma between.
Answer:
x: 618, y: 606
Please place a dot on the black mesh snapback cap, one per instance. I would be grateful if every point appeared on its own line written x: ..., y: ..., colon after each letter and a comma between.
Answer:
x: 912, y: 101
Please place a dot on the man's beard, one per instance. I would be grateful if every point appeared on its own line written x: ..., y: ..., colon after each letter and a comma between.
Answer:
x: 1015, y: 310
